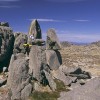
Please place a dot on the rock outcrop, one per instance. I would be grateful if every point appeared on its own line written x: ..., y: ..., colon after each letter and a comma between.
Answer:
x: 52, y: 46
x: 19, y: 80
x: 34, y: 31
x: 24, y: 68
x: 52, y: 41
x: 37, y: 61
x: 20, y: 40
x: 43, y: 60
x: 35, y: 65
x: 6, y: 44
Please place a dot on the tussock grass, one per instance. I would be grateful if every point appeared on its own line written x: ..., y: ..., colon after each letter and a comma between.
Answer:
x: 36, y: 95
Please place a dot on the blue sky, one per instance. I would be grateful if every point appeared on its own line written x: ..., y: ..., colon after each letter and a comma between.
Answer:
x: 73, y: 20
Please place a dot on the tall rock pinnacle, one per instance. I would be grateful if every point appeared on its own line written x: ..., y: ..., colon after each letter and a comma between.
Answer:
x: 35, y: 30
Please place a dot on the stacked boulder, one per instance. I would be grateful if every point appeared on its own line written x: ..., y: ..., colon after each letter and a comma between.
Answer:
x: 23, y: 69
x: 44, y: 57
x: 37, y: 52
x: 19, y: 79
x: 52, y: 54
x: 40, y: 67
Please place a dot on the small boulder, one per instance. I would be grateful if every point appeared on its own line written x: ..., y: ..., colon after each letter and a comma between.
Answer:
x: 75, y: 72
x: 58, y: 74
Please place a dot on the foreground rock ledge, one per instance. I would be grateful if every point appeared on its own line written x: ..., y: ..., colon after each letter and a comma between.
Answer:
x: 89, y: 91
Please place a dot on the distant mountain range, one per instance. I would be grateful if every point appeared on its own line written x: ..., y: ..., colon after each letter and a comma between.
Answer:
x: 79, y: 43
x: 67, y: 43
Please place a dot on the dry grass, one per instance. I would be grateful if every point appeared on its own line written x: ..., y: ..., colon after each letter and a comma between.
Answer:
x: 53, y: 95
x: 86, y: 57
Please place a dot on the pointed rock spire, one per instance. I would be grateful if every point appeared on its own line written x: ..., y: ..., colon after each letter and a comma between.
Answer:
x: 35, y: 30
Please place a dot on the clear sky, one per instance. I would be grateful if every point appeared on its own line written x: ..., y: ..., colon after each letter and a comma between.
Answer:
x: 73, y: 20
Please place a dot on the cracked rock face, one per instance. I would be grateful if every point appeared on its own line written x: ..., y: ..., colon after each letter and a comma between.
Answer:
x: 6, y: 44
x: 20, y: 40
x: 34, y: 31
x: 52, y: 42
x: 52, y: 59
x: 19, y: 80
x: 37, y: 61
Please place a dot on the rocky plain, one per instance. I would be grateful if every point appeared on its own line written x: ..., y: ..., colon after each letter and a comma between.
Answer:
x: 34, y: 69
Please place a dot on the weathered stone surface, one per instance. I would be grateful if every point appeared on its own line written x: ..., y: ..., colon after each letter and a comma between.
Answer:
x: 34, y: 31
x: 69, y: 70
x: 52, y: 59
x: 39, y: 42
x: 75, y: 72
x: 20, y: 40
x: 6, y: 44
x: 75, y: 85
x: 89, y: 91
x: 15, y: 57
x: 58, y: 74
x: 19, y: 80
x: 52, y: 41
x: 51, y: 82
x: 37, y: 61
x: 26, y: 92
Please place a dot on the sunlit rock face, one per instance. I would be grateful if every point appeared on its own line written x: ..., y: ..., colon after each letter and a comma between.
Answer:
x: 34, y: 31
x: 52, y: 42
x: 20, y: 40
x: 6, y: 43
